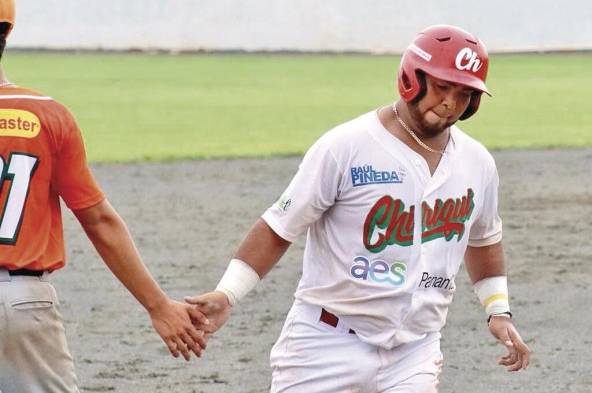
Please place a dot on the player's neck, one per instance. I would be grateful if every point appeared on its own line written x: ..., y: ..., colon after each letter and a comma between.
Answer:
x: 3, y: 78
x: 390, y: 123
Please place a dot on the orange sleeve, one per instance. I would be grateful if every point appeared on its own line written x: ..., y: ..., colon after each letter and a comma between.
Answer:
x: 72, y: 178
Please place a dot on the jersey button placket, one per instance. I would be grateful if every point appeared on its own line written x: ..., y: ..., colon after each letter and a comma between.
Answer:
x: 423, y: 172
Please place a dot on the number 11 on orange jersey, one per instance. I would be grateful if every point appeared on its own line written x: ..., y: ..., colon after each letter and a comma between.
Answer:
x: 15, y: 178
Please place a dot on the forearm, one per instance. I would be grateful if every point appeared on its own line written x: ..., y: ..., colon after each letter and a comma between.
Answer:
x: 261, y: 248
x: 483, y: 262
x: 257, y: 254
x: 113, y: 242
x: 486, y: 268
x: 487, y: 271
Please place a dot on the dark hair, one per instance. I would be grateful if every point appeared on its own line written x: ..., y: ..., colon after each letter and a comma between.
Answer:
x: 4, y: 30
x: 423, y: 89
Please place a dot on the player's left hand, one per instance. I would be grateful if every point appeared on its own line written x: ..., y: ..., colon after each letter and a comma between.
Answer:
x: 174, y: 322
x: 518, y: 355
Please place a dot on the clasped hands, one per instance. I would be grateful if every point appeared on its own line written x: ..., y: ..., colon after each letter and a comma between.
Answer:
x: 187, y: 327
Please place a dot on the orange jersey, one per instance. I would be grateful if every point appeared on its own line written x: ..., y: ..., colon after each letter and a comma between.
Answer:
x: 42, y: 158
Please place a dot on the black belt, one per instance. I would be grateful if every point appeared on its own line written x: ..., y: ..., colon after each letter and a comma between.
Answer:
x: 331, y: 319
x: 26, y: 272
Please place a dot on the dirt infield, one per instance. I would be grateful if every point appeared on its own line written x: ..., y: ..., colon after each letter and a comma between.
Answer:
x: 188, y: 217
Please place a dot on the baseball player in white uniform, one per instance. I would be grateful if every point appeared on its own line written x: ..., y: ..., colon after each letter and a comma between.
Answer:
x: 391, y: 202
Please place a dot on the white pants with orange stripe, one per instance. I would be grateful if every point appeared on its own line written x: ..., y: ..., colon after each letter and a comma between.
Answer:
x: 313, y: 357
x: 34, y: 356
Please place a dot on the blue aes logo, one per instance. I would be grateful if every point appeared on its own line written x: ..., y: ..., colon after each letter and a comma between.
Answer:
x: 366, y: 175
x: 379, y: 271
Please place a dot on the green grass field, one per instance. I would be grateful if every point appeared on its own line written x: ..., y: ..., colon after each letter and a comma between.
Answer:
x: 154, y: 107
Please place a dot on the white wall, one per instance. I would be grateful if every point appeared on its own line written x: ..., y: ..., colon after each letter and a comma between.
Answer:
x: 299, y: 25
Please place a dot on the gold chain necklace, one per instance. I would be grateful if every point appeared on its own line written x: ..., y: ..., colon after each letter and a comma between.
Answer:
x: 410, y: 131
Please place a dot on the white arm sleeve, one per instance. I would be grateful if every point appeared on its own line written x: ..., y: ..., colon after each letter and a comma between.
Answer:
x: 487, y: 228
x: 311, y: 192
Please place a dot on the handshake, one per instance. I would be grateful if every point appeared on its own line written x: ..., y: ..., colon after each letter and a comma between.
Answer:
x: 187, y: 327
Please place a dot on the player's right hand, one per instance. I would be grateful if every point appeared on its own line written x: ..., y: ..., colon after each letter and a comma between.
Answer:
x: 174, y: 322
x: 215, y: 306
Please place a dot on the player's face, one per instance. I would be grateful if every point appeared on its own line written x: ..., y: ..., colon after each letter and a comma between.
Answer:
x: 442, y: 105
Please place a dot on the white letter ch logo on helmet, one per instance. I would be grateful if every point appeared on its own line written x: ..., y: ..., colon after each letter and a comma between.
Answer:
x: 466, y: 59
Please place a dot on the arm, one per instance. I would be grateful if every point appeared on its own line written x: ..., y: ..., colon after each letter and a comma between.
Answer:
x: 111, y: 238
x: 312, y: 191
x: 261, y: 249
x: 483, y: 263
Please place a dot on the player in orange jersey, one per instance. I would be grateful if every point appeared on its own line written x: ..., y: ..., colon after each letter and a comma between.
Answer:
x: 42, y: 158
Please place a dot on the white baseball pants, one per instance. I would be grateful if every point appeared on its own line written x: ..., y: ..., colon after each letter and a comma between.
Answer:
x: 311, y: 356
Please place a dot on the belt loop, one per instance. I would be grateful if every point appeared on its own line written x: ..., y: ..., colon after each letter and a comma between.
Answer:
x: 4, y: 276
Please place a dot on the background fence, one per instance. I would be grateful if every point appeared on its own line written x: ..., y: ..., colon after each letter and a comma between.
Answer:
x: 376, y: 26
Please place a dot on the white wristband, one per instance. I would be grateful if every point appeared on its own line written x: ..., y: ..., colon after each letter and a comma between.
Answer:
x: 238, y: 280
x: 493, y: 294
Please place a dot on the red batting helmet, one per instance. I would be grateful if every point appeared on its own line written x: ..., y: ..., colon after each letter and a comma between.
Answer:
x: 448, y: 53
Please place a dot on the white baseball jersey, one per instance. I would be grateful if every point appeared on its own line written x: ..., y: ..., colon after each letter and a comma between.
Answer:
x: 385, y: 237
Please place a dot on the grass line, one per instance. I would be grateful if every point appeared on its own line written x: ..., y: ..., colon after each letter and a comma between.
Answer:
x: 135, y: 107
